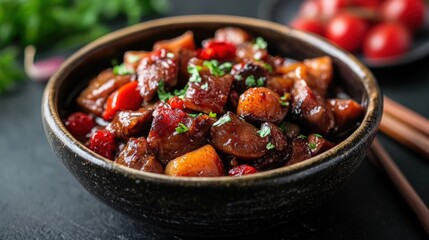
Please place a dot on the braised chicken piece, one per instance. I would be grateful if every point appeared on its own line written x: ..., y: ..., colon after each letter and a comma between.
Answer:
x: 222, y: 106
x: 277, y: 146
x: 237, y: 137
x: 174, y: 133
x: 137, y: 154
x: 207, y: 92
x: 310, y: 109
x: 160, y: 65
x: 93, y: 97
x: 128, y: 124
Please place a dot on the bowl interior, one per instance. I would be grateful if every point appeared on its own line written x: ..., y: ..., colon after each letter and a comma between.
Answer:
x: 89, y: 61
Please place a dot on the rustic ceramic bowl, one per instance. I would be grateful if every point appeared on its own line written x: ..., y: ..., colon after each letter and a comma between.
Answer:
x: 210, y: 206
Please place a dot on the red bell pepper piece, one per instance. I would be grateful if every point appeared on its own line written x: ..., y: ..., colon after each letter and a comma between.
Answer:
x: 219, y: 50
x: 125, y: 98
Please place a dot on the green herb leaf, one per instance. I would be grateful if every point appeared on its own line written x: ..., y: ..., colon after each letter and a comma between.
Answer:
x: 318, y: 135
x: 195, y: 74
x: 268, y: 67
x: 181, y: 93
x: 284, y: 104
x: 162, y: 94
x: 224, y: 119
x: 205, y: 86
x: 302, y: 136
x: 122, y: 69
x: 270, y: 146
x: 260, y: 43
x: 216, y: 69
x: 170, y: 55
x: 212, y: 114
x: 182, y: 128
x: 265, y: 131
x: 226, y: 67
x: 133, y: 58
x: 250, y: 81
x: 260, y: 82
x: 312, y: 146
x: 238, y: 77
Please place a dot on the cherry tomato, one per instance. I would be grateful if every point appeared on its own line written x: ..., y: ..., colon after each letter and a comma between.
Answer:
x: 411, y: 13
x: 386, y: 40
x: 125, y: 98
x: 347, y: 30
x: 369, y: 4
x: 103, y: 142
x: 329, y: 8
x: 309, y: 24
x: 219, y: 50
x: 79, y: 124
x: 241, y: 170
x: 310, y: 9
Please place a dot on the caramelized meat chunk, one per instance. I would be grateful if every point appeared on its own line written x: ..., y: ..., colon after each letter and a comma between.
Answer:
x: 237, y: 137
x: 347, y: 112
x: 321, y: 71
x: 300, y: 151
x: 137, y: 154
x: 280, y: 84
x: 159, y: 65
x: 261, y: 105
x: 232, y: 34
x: 278, y: 144
x: 174, y: 132
x: 202, y: 162
x: 131, y: 123
x: 291, y: 130
x: 247, y: 75
x: 93, y: 97
x: 208, y: 93
x: 310, y: 109
x: 249, y: 52
x: 132, y: 58
x: 318, y: 144
x: 175, y: 45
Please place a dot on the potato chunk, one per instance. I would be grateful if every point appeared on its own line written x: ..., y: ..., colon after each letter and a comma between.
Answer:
x: 202, y: 162
x: 184, y: 41
x: 261, y: 105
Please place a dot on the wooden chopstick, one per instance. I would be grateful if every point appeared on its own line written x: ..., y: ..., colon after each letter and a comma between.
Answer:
x: 406, y: 116
x: 405, y: 126
x: 379, y: 155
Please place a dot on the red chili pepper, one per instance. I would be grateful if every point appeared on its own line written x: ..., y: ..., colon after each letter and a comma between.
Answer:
x: 218, y: 50
x: 103, y: 142
x: 241, y: 170
x: 125, y: 98
x: 176, y: 102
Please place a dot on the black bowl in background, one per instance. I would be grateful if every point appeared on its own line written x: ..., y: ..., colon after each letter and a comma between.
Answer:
x: 215, y: 207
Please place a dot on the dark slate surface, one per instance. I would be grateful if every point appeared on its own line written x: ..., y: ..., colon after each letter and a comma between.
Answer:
x: 39, y: 199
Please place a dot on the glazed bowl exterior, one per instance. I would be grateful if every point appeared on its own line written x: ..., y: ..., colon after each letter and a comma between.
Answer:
x: 220, y: 206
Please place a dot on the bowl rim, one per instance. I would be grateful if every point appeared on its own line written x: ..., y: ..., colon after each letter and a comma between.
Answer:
x: 52, y: 119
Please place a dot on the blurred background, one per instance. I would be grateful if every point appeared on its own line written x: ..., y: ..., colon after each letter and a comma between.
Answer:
x: 39, y: 199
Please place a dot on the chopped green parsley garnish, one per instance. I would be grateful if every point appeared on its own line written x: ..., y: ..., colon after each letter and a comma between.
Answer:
x: 182, y: 128
x: 250, y: 81
x: 284, y: 100
x: 318, y: 135
x: 284, y: 104
x: 170, y: 55
x: 268, y: 67
x: 162, y: 94
x: 195, y: 73
x: 194, y: 115
x: 224, y: 119
x: 212, y: 114
x: 181, y: 93
x: 238, y: 77
x: 302, y: 136
x: 205, y: 86
x: 270, y: 146
x: 265, y: 131
x: 312, y: 146
x: 122, y: 69
x: 216, y: 69
x: 260, y: 43
x: 133, y: 58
